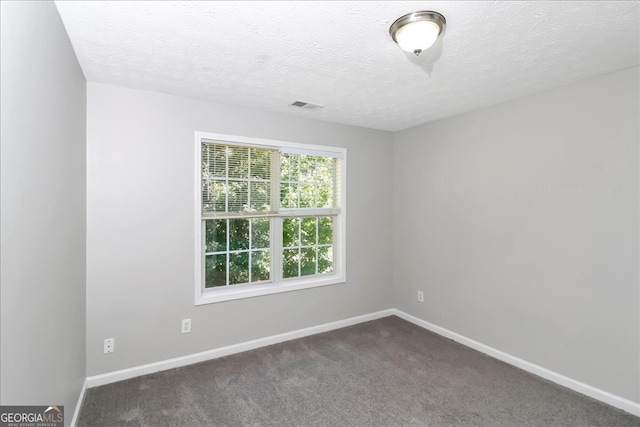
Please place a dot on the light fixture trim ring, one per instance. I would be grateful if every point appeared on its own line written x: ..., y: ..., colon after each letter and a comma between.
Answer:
x: 422, y: 15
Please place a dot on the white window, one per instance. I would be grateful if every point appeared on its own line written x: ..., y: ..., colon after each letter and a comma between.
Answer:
x: 270, y: 216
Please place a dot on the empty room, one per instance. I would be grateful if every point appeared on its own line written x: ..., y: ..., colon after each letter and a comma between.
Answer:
x: 319, y: 213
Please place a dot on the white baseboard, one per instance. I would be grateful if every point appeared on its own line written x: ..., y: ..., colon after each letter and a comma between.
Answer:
x: 190, y: 359
x: 601, y: 395
x: 76, y: 412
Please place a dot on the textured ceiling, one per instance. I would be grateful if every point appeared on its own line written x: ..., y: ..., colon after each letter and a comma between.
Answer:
x: 266, y: 55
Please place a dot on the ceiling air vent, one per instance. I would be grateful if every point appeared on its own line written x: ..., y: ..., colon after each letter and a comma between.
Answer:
x: 306, y: 105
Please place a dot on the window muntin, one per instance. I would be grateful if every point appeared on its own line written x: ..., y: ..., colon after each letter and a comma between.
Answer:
x: 271, y: 216
x: 307, y: 181
x: 235, y: 178
x: 307, y: 246
x: 237, y: 251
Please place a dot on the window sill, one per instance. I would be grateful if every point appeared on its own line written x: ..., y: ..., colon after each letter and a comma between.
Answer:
x: 214, y: 295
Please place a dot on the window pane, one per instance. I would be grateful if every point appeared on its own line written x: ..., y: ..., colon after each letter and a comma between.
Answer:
x: 307, y: 196
x: 213, y: 196
x: 239, y: 230
x: 260, y: 266
x: 213, y: 161
x: 238, y: 195
x: 290, y: 232
x: 215, y: 235
x: 309, y: 183
x: 288, y: 195
x: 260, y: 164
x: 288, y: 167
x: 290, y: 262
x: 235, y: 179
x: 308, y: 262
x: 308, y: 246
x: 325, y: 260
x: 324, y: 196
x: 260, y: 196
x: 324, y: 169
x: 215, y: 273
x: 238, y: 158
x: 260, y: 233
x: 307, y: 168
x: 325, y: 230
x: 308, y: 231
x: 239, y: 268
x: 238, y: 234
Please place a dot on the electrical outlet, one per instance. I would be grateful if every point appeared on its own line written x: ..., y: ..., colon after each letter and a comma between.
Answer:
x: 186, y: 326
x: 420, y: 296
x: 109, y: 345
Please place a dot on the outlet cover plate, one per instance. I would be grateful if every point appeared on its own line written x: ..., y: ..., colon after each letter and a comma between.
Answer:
x: 186, y: 326
x: 109, y: 345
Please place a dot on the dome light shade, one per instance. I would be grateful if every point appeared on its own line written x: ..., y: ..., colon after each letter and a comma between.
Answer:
x: 417, y: 31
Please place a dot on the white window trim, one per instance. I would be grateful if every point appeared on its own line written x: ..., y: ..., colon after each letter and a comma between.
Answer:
x: 213, y: 295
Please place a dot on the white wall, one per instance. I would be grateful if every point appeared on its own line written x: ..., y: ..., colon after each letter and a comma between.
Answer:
x: 140, y: 241
x: 43, y: 210
x: 520, y: 224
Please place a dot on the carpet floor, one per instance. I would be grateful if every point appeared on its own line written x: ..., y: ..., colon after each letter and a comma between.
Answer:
x: 386, y: 372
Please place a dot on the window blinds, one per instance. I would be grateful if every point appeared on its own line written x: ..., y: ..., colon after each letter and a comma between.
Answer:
x: 235, y: 180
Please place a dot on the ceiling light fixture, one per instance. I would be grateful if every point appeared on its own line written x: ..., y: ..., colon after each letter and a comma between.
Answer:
x: 417, y: 31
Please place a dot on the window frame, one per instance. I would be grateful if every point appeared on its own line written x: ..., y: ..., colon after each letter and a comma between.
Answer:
x: 277, y: 284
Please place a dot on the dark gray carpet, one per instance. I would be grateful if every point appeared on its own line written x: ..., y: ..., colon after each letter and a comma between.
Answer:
x: 382, y: 373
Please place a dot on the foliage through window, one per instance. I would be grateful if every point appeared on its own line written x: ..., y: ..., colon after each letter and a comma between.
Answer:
x: 307, y: 246
x: 271, y: 215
